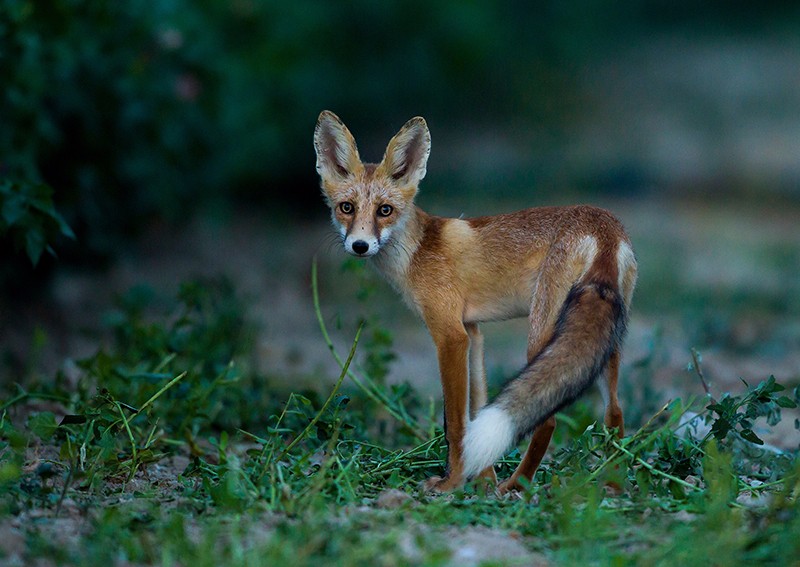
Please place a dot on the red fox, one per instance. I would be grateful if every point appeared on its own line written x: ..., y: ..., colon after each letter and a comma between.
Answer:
x: 570, y: 270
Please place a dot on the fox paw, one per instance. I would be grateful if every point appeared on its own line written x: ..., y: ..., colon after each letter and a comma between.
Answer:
x: 510, y: 486
x: 440, y: 485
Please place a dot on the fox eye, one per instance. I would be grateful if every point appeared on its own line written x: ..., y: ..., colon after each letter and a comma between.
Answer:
x: 385, y: 210
x: 346, y: 207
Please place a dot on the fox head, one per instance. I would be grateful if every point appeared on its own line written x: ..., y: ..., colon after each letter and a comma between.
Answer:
x: 369, y: 202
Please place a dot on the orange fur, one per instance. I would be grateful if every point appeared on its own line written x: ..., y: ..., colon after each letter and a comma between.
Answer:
x: 558, y: 266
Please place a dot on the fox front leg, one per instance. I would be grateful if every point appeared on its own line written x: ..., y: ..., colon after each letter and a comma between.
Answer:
x: 452, y: 348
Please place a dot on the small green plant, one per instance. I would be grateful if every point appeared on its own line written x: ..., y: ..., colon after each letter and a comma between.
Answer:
x: 28, y: 218
x: 203, y: 338
x: 737, y: 414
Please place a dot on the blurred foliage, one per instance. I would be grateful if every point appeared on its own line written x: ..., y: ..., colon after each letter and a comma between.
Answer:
x: 134, y: 110
x: 196, y: 339
x: 102, y: 104
x: 28, y: 217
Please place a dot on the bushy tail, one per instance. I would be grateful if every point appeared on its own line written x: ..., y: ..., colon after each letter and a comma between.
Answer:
x: 590, y: 327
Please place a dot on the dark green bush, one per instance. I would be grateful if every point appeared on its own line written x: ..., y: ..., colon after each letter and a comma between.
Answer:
x: 133, y: 110
x: 103, y: 104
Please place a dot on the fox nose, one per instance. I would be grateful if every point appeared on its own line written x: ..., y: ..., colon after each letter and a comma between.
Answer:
x: 360, y: 247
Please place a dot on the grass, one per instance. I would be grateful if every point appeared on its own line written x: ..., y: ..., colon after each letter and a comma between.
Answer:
x: 165, y: 447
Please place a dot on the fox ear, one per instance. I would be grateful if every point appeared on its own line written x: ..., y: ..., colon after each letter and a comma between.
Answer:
x: 337, y: 154
x: 406, y: 156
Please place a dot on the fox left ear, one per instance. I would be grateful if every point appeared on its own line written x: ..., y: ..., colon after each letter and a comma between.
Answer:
x: 406, y: 156
x: 337, y: 154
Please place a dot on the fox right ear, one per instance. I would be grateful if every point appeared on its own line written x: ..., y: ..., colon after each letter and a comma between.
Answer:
x: 406, y: 156
x: 337, y: 155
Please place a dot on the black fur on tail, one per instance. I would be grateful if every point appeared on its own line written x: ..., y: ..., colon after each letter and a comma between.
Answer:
x: 590, y: 327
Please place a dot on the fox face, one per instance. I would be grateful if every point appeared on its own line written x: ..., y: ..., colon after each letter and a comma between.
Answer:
x: 368, y: 201
x: 365, y: 213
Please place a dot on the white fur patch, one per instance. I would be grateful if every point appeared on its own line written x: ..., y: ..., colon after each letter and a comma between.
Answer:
x: 488, y: 437
x: 394, y: 261
x: 586, y: 250
x: 367, y: 237
x: 625, y: 259
x: 460, y: 234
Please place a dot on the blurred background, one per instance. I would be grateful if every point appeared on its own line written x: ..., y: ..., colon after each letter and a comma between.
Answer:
x: 146, y: 142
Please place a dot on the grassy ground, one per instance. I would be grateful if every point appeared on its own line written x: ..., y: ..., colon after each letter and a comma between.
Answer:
x: 177, y: 437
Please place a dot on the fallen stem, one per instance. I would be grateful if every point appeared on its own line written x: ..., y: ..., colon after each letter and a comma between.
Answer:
x: 612, y: 459
x: 134, y: 454
x: 656, y: 471
x: 699, y: 371
x: 317, y: 417
x: 32, y: 396
x: 158, y: 394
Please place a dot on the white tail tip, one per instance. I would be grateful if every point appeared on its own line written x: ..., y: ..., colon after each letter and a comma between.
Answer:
x: 488, y: 437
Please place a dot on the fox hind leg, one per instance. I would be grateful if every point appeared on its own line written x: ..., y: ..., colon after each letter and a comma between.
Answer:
x: 548, y: 297
x: 533, y: 457
x: 608, y: 389
x: 613, y: 412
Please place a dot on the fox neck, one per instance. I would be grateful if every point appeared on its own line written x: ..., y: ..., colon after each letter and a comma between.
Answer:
x: 393, y: 260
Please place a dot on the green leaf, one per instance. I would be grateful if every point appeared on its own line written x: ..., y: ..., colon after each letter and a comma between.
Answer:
x: 34, y: 244
x: 786, y: 402
x: 644, y: 480
x: 749, y: 435
x: 677, y: 491
x: 27, y: 212
x: 9, y: 472
x: 720, y: 428
x: 43, y: 425
x: 769, y: 386
x: 13, y: 209
x: 65, y: 229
